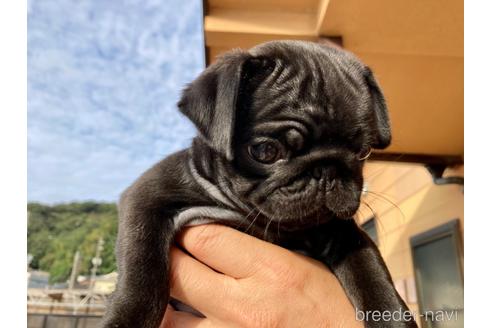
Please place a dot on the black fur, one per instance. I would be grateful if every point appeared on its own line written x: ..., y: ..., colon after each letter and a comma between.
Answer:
x: 323, y: 109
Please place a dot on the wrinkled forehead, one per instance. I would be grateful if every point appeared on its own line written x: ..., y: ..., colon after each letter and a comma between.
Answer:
x: 311, y: 81
x: 329, y: 61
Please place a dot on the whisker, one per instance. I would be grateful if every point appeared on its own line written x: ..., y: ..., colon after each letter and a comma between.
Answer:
x: 278, y: 227
x: 278, y: 219
x: 266, y: 229
x: 370, y: 208
x: 245, y: 219
x: 361, y: 212
x: 389, y: 201
x: 378, y: 222
x: 252, y: 222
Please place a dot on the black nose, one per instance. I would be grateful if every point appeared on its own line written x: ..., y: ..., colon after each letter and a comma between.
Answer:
x: 327, y: 172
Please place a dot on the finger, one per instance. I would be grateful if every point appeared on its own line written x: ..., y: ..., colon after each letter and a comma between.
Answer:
x: 227, y: 250
x: 177, y: 319
x: 193, y: 283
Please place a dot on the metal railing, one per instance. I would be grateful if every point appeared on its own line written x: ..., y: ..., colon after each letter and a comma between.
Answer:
x: 50, y: 320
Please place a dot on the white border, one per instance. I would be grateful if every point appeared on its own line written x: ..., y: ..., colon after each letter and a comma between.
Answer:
x: 13, y: 171
x: 478, y: 148
x: 478, y: 228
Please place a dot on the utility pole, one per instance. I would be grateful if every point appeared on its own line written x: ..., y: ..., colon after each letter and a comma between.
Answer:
x: 75, y: 271
x: 96, y: 262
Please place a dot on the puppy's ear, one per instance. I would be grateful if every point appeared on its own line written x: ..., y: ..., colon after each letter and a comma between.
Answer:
x: 210, y: 101
x: 382, y: 129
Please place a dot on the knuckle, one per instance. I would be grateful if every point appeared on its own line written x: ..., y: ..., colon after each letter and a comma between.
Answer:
x: 293, y: 278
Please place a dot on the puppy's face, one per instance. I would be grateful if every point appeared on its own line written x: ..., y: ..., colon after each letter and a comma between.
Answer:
x: 304, y: 117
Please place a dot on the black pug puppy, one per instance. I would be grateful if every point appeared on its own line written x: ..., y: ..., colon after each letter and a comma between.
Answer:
x: 284, y: 129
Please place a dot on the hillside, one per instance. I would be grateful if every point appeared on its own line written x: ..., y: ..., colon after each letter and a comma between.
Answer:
x: 55, y: 233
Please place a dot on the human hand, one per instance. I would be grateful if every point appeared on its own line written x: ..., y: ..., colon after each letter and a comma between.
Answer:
x: 260, y: 284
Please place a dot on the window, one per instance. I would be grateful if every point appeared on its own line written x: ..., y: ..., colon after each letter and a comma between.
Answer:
x: 437, y: 260
x: 370, y: 228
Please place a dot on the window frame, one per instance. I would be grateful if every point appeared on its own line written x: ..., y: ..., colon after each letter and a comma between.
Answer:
x: 450, y: 228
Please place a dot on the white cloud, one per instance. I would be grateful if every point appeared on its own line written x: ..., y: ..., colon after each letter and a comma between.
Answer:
x: 103, y: 81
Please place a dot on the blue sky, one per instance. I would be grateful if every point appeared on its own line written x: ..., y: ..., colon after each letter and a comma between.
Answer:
x: 104, y: 77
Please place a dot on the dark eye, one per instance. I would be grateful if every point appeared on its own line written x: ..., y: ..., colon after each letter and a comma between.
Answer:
x: 265, y: 152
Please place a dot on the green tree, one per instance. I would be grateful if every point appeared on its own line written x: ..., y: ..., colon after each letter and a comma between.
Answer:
x: 55, y: 233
